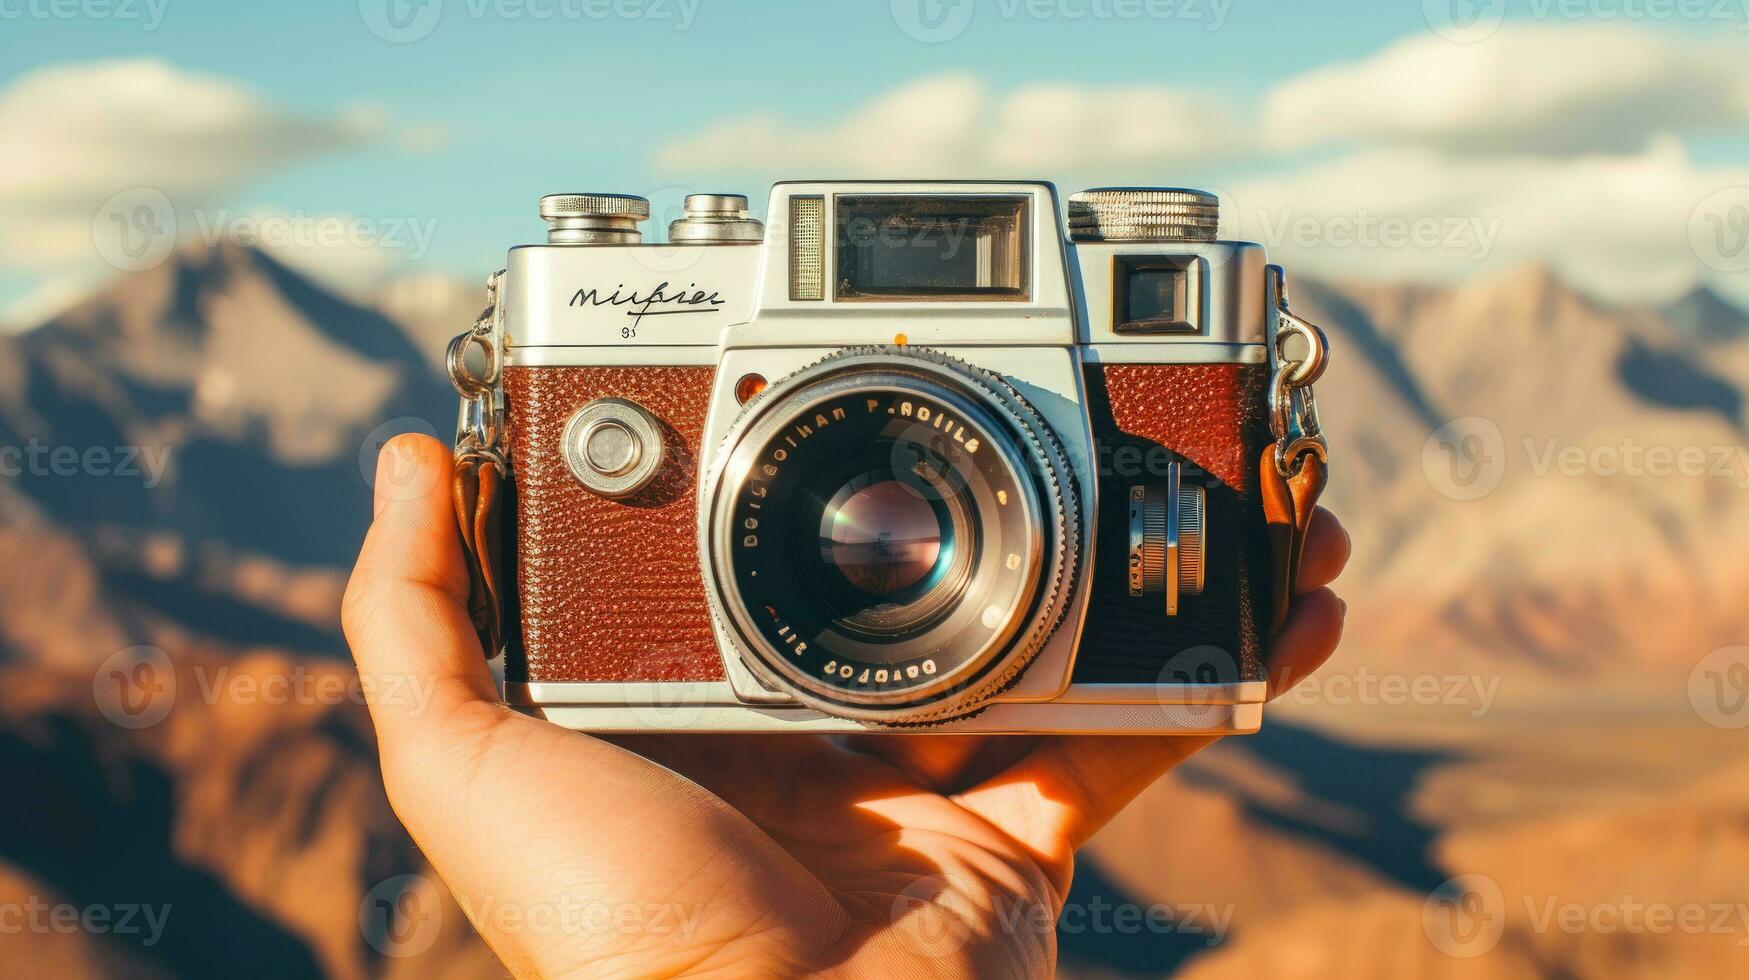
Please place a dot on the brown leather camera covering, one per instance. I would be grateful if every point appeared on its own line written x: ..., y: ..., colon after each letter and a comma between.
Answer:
x: 1213, y: 415
x: 609, y: 589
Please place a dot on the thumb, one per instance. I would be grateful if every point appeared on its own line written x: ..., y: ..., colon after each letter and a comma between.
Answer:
x: 405, y: 612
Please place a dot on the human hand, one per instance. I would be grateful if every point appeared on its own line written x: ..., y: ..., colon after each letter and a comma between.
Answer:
x: 767, y: 855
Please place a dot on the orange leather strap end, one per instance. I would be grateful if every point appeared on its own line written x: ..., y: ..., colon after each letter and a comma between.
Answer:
x: 1288, y: 505
x: 479, y: 489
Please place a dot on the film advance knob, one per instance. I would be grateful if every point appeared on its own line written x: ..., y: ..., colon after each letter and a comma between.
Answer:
x: 1143, y: 214
x: 613, y: 447
x: 593, y: 219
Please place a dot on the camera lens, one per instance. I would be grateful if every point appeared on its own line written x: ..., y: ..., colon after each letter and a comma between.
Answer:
x: 887, y: 535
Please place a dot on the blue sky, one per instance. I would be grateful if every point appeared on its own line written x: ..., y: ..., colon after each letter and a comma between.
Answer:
x: 470, y: 122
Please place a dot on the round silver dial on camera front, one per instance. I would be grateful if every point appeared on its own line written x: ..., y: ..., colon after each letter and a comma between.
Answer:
x: 716, y: 219
x: 593, y: 219
x: 1168, y: 532
x: 613, y: 447
x: 1143, y: 214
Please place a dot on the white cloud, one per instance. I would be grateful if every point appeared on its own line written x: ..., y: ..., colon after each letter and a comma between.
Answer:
x: 1529, y: 88
x: 104, y: 154
x: 953, y: 126
x: 1537, y: 88
x: 74, y: 135
x: 1552, y: 143
x: 1618, y: 226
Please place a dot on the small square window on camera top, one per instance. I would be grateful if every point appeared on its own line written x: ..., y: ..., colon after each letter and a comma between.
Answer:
x: 1154, y: 294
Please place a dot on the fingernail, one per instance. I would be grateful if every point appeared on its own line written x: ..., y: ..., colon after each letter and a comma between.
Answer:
x: 1344, y: 603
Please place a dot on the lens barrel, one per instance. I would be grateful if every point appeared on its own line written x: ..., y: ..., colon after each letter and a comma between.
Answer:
x: 888, y: 535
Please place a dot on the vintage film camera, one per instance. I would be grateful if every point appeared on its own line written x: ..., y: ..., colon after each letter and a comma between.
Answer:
x: 904, y: 457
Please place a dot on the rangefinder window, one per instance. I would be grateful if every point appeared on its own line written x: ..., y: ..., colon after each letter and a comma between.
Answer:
x: 934, y: 247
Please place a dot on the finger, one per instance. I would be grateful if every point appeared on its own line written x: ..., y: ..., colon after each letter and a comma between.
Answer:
x: 1058, y: 796
x: 1314, y: 627
x: 404, y: 613
x: 1326, y: 553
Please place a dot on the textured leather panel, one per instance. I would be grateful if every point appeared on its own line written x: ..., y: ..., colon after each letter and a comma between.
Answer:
x: 1213, y: 415
x: 609, y: 590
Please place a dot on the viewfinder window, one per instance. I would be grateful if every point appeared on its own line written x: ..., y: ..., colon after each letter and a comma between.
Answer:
x: 931, y: 247
x: 1154, y: 294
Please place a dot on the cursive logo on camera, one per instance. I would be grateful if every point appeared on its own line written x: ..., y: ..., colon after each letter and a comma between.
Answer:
x: 663, y: 299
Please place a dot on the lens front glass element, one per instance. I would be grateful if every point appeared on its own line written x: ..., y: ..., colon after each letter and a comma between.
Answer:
x: 884, y: 536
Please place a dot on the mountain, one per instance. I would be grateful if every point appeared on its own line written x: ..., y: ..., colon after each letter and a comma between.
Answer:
x: 1526, y: 472
x: 225, y: 411
x: 1706, y: 316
